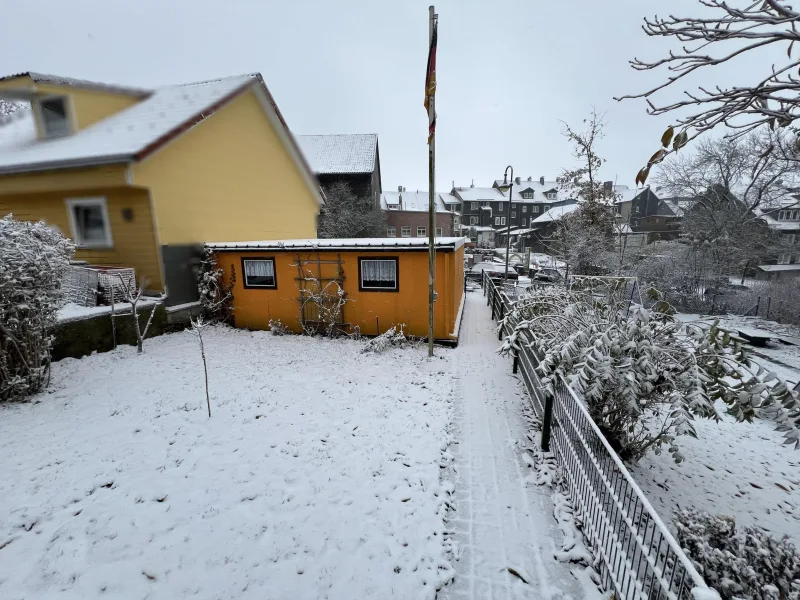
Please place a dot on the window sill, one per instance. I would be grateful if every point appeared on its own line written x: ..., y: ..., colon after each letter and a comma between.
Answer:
x: 99, y: 246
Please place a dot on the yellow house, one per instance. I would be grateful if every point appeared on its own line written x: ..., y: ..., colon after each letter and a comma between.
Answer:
x: 143, y: 178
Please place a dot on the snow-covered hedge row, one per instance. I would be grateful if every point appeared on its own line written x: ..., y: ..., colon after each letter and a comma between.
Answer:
x: 743, y: 562
x: 33, y: 262
x: 643, y: 374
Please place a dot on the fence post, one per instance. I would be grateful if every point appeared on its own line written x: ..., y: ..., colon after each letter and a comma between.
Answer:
x: 515, y: 366
x: 769, y: 301
x: 500, y: 329
x: 758, y: 305
x: 547, y: 422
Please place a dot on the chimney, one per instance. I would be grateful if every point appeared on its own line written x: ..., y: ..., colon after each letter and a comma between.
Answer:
x: 529, y: 178
x: 399, y: 188
x: 518, y: 180
x: 608, y: 186
x: 541, y: 180
x: 472, y: 185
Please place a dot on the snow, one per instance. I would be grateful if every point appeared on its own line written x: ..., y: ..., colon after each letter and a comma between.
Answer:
x: 340, y: 153
x: 411, y: 202
x: 75, y: 312
x: 317, y: 476
x: 736, y: 469
x: 340, y: 244
x: 117, y: 137
x: 555, y: 213
x: 502, y: 521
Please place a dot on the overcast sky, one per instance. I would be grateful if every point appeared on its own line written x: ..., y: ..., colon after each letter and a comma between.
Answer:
x: 508, y: 70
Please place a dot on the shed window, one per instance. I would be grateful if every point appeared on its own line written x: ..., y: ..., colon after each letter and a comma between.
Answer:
x: 54, y: 116
x: 89, y: 220
x: 378, y: 274
x: 259, y: 272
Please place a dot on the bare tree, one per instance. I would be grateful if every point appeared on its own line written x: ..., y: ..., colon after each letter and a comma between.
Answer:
x: 197, y: 330
x: 346, y: 215
x: 132, y: 295
x: 728, y: 30
x: 732, y: 181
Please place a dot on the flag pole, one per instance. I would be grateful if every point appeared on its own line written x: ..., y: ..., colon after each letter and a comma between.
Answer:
x: 431, y: 190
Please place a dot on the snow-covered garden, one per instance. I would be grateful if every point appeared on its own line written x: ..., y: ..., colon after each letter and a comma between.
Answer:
x: 317, y: 475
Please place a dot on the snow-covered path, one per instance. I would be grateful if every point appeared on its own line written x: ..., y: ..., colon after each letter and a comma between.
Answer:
x: 500, y: 521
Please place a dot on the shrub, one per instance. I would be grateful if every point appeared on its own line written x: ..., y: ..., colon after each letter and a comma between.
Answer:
x: 643, y: 375
x: 391, y: 338
x: 33, y: 261
x: 739, y: 563
x: 216, y: 297
x: 278, y: 328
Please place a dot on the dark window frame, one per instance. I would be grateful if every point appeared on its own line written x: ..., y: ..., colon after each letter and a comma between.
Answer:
x: 260, y: 287
x: 396, y: 287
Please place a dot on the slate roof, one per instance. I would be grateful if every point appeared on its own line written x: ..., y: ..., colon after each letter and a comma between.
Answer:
x: 343, y: 153
x: 555, y: 213
x: 123, y: 137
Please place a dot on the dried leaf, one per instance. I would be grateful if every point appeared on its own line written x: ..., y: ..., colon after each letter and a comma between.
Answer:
x: 680, y: 140
x: 660, y: 154
x: 789, y: 50
x: 641, y: 176
x: 516, y: 573
x: 667, y: 137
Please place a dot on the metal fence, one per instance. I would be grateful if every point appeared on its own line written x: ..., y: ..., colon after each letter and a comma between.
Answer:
x: 638, y: 557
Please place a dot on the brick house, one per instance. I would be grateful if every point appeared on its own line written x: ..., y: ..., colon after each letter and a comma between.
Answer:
x: 407, y: 214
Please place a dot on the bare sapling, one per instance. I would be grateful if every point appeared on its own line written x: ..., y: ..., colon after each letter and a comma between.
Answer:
x: 197, y: 330
x: 132, y: 295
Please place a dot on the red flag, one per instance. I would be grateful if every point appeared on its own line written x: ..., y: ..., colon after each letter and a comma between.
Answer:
x: 430, y: 81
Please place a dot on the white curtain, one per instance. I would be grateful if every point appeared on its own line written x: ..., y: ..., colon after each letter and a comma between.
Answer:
x: 378, y: 270
x: 259, y: 268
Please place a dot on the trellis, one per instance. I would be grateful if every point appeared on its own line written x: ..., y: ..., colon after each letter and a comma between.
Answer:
x: 320, y: 283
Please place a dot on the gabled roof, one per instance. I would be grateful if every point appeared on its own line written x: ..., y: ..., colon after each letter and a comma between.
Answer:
x: 411, y: 201
x: 80, y: 83
x: 346, y: 153
x: 475, y: 194
x: 555, y: 214
x: 126, y: 136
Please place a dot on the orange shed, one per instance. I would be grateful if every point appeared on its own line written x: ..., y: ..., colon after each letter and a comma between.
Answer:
x: 369, y: 283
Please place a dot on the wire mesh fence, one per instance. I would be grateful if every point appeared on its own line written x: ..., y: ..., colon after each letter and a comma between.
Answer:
x: 638, y: 557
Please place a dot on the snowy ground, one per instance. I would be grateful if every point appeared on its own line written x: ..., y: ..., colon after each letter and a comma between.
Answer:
x: 317, y: 476
x: 501, y: 520
x: 736, y: 469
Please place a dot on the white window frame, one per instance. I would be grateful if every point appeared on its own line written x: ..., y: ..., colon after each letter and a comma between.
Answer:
x: 405, y: 231
x: 535, y: 209
x: 513, y: 214
x: 391, y: 231
x: 497, y: 221
x: 522, y: 222
x: 473, y: 220
x: 424, y: 231
x: 524, y: 208
x: 551, y: 195
x: 259, y: 286
x: 100, y: 201
x: 502, y: 220
x: 784, y: 259
x: 68, y: 110
x: 527, y: 195
x: 438, y: 232
x: 474, y: 206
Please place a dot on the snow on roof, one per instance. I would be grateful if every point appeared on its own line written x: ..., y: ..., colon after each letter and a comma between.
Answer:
x: 411, y: 201
x: 443, y: 243
x: 81, y: 83
x: 555, y: 213
x: 449, y: 199
x: 122, y: 137
x: 777, y: 268
x: 474, y: 194
x: 627, y: 194
x: 340, y: 153
x: 477, y: 228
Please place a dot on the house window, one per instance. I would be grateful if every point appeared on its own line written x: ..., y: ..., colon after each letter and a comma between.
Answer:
x: 535, y: 209
x: 499, y: 206
x: 259, y: 273
x: 89, y: 220
x: 53, y: 113
x: 502, y: 220
x: 474, y: 205
x: 513, y: 206
x: 377, y: 274
x: 421, y: 232
x: 473, y: 220
x: 784, y: 259
x: 522, y: 222
x: 405, y: 231
x: 497, y: 220
x: 438, y: 232
x: 524, y: 209
x: 551, y: 195
x: 527, y: 195
x: 455, y: 220
x: 391, y: 232
x: 513, y: 214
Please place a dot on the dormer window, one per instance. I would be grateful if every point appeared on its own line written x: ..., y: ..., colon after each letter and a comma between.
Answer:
x: 551, y: 195
x: 55, y: 121
x: 527, y: 195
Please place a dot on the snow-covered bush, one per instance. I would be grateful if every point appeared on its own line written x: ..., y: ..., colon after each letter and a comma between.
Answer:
x: 325, y: 303
x: 744, y: 563
x: 216, y: 297
x: 278, y: 328
x: 642, y: 374
x: 394, y: 337
x: 33, y: 261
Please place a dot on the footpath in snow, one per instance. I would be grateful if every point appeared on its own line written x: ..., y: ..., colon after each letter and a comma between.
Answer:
x: 500, y: 521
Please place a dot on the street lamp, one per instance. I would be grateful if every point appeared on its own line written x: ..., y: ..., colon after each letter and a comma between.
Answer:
x: 508, y: 185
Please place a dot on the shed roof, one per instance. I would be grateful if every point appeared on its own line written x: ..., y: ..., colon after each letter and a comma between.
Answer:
x: 341, y: 153
x: 441, y: 243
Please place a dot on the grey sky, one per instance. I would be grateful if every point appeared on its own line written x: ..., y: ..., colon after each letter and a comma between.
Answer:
x: 508, y: 70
